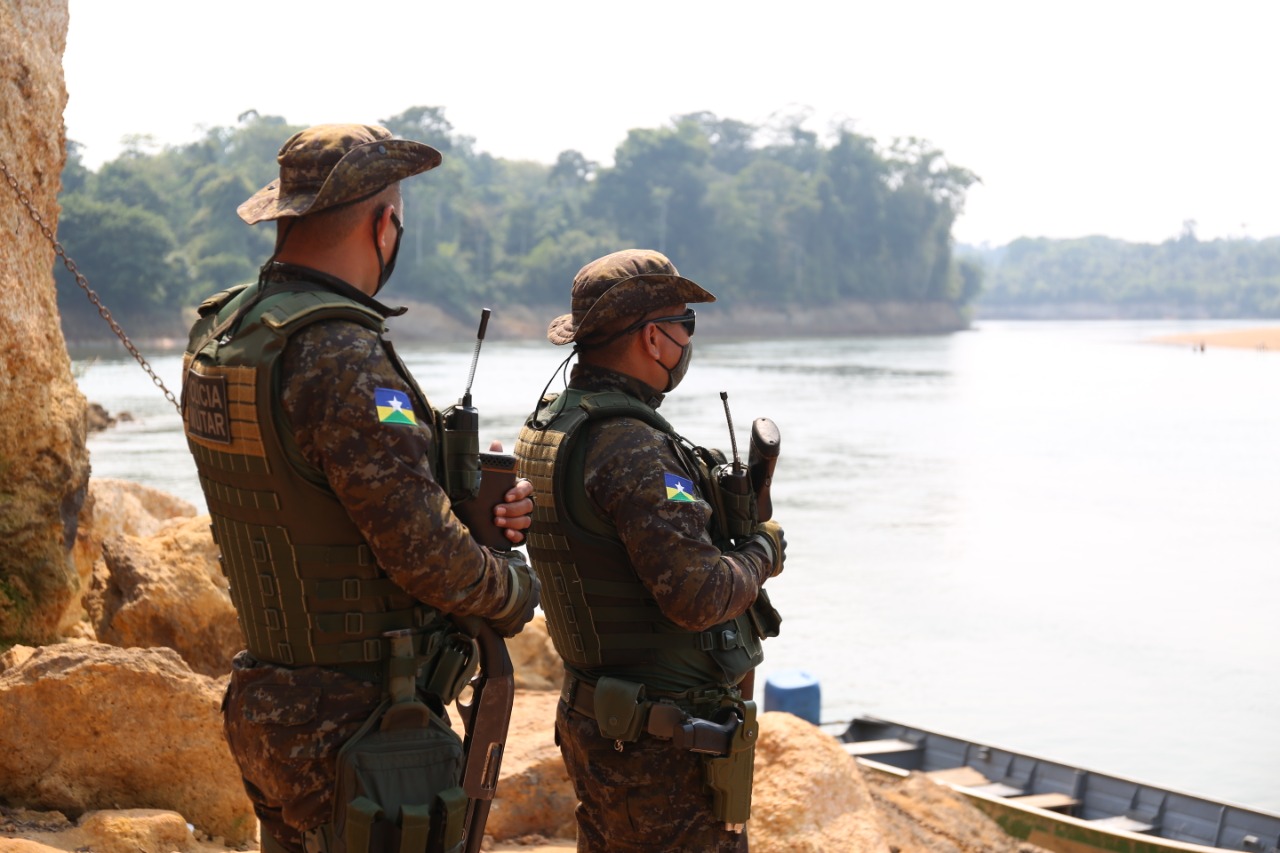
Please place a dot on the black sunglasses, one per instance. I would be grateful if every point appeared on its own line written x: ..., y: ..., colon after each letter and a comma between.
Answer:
x: 688, y: 319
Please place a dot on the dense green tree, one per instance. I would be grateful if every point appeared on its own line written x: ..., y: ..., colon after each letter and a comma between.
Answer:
x: 763, y: 214
x: 126, y: 253
x: 1181, y: 276
x: 75, y: 177
x: 654, y: 194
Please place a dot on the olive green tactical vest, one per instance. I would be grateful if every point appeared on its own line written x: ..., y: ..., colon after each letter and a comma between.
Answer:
x: 600, y: 617
x: 304, y: 582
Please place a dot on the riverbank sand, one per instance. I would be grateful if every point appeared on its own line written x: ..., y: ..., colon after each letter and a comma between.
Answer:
x: 1265, y: 338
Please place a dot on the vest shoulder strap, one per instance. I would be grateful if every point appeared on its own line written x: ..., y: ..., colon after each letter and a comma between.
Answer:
x: 574, y: 409
x: 290, y: 308
x: 614, y: 404
x: 214, y: 303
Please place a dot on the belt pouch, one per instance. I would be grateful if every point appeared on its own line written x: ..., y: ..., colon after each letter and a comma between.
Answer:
x: 619, y: 708
x: 452, y: 667
x: 765, y: 620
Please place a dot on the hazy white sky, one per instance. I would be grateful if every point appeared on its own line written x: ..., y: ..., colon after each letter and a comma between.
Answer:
x: 1116, y: 117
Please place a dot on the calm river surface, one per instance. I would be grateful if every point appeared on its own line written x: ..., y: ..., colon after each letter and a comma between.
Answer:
x: 1056, y: 538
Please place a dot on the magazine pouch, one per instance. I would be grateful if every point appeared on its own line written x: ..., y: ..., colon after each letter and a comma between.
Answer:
x: 398, y: 786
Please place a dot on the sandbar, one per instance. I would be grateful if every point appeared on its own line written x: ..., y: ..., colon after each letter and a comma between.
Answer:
x: 1265, y: 338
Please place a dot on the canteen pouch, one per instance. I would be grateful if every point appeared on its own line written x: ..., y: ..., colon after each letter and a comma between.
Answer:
x: 397, y: 790
x: 735, y: 647
x: 730, y: 776
x: 765, y: 620
x: 620, y: 708
x: 453, y: 660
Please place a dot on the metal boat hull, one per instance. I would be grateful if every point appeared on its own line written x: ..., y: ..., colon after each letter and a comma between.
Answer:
x: 1059, y: 807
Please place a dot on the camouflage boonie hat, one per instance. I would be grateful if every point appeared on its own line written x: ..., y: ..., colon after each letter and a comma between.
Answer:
x: 622, y: 286
x: 329, y: 164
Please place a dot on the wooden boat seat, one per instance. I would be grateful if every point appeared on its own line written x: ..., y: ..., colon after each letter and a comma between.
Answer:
x: 973, y: 779
x: 997, y: 789
x: 1124, y: 823
x: 1054, y: 802
x: 965, y: 777
x: 879, y: 747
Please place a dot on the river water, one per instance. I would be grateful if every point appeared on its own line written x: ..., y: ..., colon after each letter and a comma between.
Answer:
x: 1056, y: 538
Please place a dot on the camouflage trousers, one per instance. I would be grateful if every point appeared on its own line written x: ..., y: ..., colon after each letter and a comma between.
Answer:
x: 285, y: 727
x: 647, y: 798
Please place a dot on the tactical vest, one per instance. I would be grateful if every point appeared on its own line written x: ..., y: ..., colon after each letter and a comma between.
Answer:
x: 599, y: 614
x: 305, y: 584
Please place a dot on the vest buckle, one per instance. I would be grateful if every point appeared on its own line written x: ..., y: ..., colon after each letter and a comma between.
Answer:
x: 351, y: 589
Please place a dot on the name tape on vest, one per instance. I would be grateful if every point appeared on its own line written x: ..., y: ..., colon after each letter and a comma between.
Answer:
x: 208, y: 409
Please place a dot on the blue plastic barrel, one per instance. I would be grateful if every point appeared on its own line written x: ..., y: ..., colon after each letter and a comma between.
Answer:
x: 796, y: 692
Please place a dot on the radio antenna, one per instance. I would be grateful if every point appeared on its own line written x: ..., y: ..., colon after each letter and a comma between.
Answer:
x: 733, y: 441
x: 475, y: 357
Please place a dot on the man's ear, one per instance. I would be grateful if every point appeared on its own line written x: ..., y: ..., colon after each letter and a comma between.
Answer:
x: 649, y: 334
x: 386, y: 228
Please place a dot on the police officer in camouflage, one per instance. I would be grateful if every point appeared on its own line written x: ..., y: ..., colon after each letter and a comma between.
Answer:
x: 653, y: 603
x: 319, y: 458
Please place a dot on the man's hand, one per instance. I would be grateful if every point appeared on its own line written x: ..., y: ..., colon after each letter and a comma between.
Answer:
x: 521, y: 600
x: 771, y: 531
x: 513, y: 514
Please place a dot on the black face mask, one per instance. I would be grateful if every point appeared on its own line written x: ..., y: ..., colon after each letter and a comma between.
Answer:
x: 385, y: 269
x: 676, y: 372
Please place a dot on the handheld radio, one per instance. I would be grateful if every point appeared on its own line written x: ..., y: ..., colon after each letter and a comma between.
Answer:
x: 475, y: 482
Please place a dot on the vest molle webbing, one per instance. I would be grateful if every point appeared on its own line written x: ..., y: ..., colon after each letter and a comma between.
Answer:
x: 303, y: 580
x: 599, y: 614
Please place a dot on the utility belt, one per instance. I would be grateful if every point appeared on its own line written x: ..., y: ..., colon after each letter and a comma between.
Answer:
x: 725, y: 737
x: 439, y: 658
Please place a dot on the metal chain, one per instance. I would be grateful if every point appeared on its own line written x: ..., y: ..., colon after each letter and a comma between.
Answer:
x: 84, y: 285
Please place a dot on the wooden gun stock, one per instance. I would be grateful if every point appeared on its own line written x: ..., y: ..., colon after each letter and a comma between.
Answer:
x: 766, y: 444
x: 486, y: 719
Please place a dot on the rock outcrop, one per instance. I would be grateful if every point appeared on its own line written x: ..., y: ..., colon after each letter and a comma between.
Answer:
x: 114, y: 508
x: 136, y: 831
x: 44, y: 466
x: 167, y: 590
x: 86, y: 726
x: 809, y: 796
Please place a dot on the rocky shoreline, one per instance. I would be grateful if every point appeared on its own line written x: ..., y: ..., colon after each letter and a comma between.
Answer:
x: 111, y: 736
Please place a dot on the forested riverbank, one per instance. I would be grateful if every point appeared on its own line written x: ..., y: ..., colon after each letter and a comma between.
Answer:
x: 761, y: 216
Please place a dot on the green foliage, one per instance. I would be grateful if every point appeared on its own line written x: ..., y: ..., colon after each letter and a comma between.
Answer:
x: 755, y: 213
x: 132, y: 246
x: 1179, y: 277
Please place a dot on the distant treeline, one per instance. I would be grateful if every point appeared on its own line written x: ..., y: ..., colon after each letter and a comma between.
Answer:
x: 1099, y: 276
x: 762, y: 215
